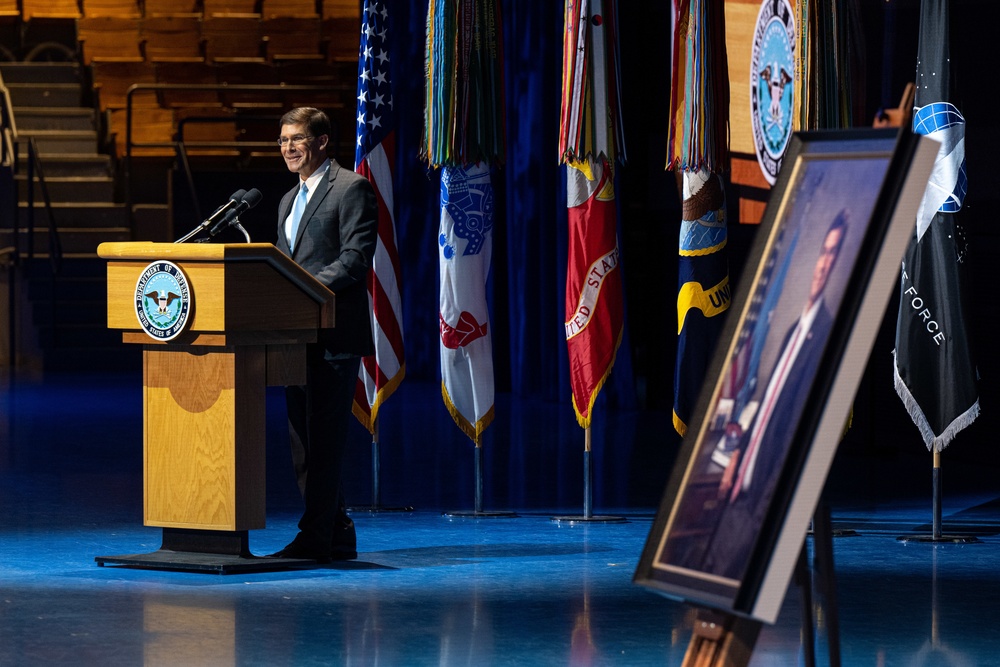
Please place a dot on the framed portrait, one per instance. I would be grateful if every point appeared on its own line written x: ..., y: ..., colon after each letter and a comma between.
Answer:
x: 777, y: 398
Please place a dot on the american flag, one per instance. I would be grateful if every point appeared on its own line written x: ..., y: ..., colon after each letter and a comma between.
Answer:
x: 382, y: 372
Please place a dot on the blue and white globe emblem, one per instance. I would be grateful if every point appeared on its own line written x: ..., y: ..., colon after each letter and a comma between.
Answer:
x: 162, y: 300
x: 772, y: 74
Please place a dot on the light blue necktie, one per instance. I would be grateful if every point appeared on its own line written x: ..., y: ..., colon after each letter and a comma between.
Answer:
x: 298, y: 208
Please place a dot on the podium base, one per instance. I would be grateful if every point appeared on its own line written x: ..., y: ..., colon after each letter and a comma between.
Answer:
x: 207, y: 551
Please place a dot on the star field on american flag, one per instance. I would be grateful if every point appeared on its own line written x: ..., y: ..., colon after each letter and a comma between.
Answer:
x: 375, y: 113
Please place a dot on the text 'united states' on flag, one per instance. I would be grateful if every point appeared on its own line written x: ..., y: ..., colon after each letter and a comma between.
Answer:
x: 590, y: 140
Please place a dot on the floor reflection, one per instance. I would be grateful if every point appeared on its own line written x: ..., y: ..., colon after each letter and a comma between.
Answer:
x: 428, y: 590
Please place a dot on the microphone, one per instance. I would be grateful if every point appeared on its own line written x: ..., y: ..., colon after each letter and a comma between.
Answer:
x: 248, y: 200
x: 219, y: 213
x: 234, y: 200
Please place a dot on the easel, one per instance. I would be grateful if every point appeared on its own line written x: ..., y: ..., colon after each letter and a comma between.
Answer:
x: 720, y: 639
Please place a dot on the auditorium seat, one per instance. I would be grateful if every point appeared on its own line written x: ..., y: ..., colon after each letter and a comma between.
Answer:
x: 111, y: 81
x: 288, y: 8
x: 248, y: 74
x: 226, y: 7
x: 292, y: 38
x: 232, y: 38
x: 206, y: 125
x: 341, y: 30
x: 128, y: 9
x: 109, y: 39
x: 187, y: 74
x: 49, y: 9
x: 151, y: 125
x: 175, y: 38
x: 171, y: 8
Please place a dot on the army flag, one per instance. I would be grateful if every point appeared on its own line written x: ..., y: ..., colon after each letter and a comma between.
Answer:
x: 464, y: 135
x: 381, y: 372
x: 935, y: 372
x: 465, y: 244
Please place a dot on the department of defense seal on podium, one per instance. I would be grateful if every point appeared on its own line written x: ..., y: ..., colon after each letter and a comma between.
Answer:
x: 772, y: 74
x: 162, y: 300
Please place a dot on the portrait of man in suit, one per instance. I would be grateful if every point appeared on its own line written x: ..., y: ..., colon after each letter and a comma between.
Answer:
x: 327, y: 224
x: 742, y: 453
x: 749, y: 479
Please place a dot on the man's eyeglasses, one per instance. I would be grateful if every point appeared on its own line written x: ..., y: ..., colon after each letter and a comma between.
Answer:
x: 295, y: 141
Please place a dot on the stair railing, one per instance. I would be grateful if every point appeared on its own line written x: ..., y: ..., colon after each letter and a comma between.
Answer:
x: 55, y: 243
x: 10, y: 148
x: 9, y: 255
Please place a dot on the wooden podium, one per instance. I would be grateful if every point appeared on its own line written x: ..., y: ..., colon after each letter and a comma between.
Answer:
x: 250, y: 312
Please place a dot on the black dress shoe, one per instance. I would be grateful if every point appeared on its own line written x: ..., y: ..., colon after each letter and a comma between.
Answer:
x: 343, y: 552
x: 298, y: 550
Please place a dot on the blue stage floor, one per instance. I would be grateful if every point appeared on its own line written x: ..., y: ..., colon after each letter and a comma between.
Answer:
x: 426, y: 589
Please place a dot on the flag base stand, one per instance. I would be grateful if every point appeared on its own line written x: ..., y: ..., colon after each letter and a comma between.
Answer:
x: 379, y: 509
x: 479, y: 513
x: 376, y: 507
x: 588, y: 505
x: 940, y: 539
x: 589, y: 519
x: 936, y: 536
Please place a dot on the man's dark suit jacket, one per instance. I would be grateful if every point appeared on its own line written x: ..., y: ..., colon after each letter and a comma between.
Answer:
x: 335, y: 241
x: 742, y: 519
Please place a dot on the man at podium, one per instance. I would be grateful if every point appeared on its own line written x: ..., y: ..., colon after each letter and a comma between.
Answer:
x: 327, y: 224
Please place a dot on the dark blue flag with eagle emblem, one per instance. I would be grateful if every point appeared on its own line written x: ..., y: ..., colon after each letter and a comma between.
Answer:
x: 935, y: 372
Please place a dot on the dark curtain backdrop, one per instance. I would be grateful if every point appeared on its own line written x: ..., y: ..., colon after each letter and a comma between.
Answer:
x: 527, y: 284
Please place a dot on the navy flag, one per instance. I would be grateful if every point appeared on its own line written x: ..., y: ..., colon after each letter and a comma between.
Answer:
x: 935, y: 373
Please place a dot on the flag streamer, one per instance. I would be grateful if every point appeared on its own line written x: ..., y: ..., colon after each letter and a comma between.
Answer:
x: 590, y: 119
x: 698, y: 134
x: 464, y: 105
x: 380, y: 374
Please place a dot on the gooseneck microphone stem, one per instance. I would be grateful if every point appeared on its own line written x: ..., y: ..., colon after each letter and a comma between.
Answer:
x: 235, y: 200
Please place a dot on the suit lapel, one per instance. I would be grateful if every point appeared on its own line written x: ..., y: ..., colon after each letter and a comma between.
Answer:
x: 314, y: 203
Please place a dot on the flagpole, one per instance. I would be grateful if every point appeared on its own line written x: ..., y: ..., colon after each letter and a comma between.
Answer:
x: 376, y: 505
x: 588, y: 478
x: 588, y: 495
x: 936, y: 499
x: 376, y: 466
x: 478, y: 512
x: 936, y: 496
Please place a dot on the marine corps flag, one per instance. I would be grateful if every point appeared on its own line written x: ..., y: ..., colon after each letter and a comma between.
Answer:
x: 590, y: 137
x: 935, y: 373
x: 696, y: 148
x: 380, y: 373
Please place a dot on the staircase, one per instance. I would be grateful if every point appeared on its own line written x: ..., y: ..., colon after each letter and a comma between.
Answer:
x: 62, y: 296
